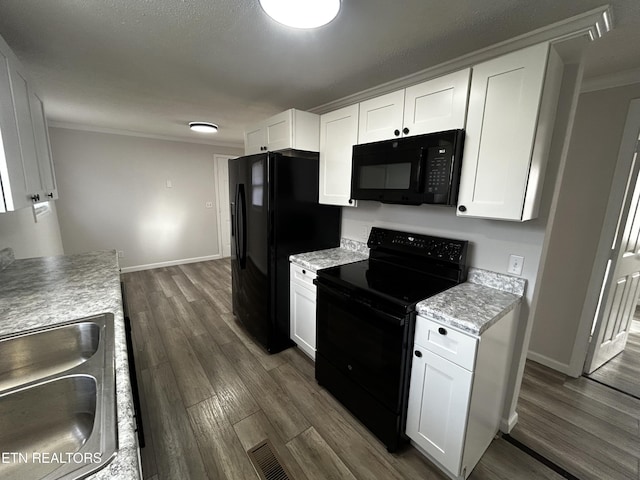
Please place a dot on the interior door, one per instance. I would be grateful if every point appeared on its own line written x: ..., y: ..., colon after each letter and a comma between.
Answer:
x: 224, y: 217
x: 621, y: 286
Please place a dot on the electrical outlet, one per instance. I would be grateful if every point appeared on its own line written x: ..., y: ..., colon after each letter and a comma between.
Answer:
x: 169, y: 184
x: 208, y: 205
x: 120, y: 253
x: 515, y: 264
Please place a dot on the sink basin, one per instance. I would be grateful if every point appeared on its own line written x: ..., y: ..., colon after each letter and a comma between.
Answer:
x: 56, y: 416
x: 57, y: 401
x: 40, y: 354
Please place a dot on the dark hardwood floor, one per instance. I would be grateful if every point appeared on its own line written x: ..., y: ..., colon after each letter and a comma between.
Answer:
x: 209, y: 393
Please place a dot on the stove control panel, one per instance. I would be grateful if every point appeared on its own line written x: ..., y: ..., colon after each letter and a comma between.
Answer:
x: 449, y: 250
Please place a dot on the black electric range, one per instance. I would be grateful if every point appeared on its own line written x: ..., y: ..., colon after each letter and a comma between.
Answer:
x: 366, y: 321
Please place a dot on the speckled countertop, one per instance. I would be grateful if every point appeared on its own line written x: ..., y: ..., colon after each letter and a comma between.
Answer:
x: 349, y: 251
x: 39, y: 292
x: 478, y: 303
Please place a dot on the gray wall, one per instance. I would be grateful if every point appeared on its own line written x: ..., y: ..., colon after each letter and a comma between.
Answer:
x: 29, y: 238
x: 580, y: 211
x: 114, y: 195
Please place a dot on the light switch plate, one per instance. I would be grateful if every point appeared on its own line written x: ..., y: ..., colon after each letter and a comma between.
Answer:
x: 515, y: 264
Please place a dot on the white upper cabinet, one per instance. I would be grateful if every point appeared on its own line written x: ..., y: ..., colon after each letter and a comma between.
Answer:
x: 437, y: 105
x: 26, y: 169
x: 338, y: 135
x: 290, y: 129
x: 43, y: 148
x: 432, y: 106
x: 511, y: 115
x: 381, y: 117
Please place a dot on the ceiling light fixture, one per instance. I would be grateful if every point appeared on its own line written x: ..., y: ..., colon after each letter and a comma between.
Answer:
x: 301, y: 13
x: 203, y: 127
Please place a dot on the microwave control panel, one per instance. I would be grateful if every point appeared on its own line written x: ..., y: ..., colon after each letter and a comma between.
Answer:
x: 438, y: 171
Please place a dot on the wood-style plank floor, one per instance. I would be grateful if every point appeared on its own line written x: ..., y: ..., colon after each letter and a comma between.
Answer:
x: 592, y: 431
x: 209, y: 393
x: 623, y: 371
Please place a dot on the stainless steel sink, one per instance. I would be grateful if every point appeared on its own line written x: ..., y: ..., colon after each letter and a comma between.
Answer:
x: 41, y: 354
x: 57, y: 401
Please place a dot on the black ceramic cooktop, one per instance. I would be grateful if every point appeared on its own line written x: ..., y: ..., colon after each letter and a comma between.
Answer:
x: 400, y: 284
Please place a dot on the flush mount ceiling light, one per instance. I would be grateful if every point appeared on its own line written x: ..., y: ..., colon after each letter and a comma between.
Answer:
x: 301, y: 13
x: 203, y: 127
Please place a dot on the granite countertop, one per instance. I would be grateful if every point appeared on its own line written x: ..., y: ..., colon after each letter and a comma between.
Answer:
x: 349, y: 251
x: 40, y: 292
x: 477, y: 304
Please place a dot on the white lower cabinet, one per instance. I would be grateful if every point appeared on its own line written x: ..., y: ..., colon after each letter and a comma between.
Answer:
x: 302, y: 309
x: 437, y: 414
x: 457, y: 389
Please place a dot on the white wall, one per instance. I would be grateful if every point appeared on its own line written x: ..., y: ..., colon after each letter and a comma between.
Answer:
x: 114, y: 195
x: 580, y: 211
x: 29, y: 238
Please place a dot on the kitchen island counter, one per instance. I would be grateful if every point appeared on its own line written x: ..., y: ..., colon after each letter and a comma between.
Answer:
x: 46, y: 291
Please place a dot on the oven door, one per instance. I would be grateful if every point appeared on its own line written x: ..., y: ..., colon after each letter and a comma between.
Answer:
x: 367, y: 346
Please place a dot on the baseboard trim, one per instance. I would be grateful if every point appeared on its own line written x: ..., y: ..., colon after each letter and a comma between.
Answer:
x: 171, y: 263
x: 549, y: 362
x: 507, y: 424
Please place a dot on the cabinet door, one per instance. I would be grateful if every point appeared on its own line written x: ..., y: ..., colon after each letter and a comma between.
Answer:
x: 502, y: 119
x: 255, y: 139
x: 338, y: 135
x: 437, y: 105
x: 381, y: 117
x: 43, y: 149
x: 279, y: 131
x: 11, y: 172
x: 20, y: 91
x: 303, y: 317
x: 438, y: 408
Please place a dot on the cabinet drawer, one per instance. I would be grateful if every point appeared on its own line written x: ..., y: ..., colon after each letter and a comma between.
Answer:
x: 302, y: 276
x: 446, y: 342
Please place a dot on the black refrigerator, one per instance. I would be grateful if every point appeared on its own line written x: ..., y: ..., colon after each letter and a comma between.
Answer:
x: 274, y: 213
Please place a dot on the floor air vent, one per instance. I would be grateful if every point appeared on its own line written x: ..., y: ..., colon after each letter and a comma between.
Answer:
x: 267, y: 463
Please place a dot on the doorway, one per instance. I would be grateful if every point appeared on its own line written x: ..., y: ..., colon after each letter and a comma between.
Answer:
x: 221, y: 168
x: 613, y: 352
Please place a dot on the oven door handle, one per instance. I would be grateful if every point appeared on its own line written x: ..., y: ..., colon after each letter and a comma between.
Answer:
x: 346, y: 297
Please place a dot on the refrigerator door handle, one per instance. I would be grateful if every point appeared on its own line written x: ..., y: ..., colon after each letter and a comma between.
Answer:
x: 242, y: 227
x: 233, y: 219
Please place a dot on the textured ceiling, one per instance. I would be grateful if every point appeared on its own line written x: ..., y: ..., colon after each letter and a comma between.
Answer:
x: 150, y: 66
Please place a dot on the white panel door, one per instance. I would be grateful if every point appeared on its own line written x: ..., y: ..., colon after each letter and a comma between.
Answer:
x: 381, y: 118
x: 338, y: 135
x: 437, y: 105
x: 224, y: 213
x: 622, y: 285
x: 303, y: 317
x: 438, y: 407
x: 504, y: 101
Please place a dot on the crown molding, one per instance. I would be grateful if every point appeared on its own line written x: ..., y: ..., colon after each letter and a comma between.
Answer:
x: 588, y: 25
x: 611, y: 80
x: 130, y: 133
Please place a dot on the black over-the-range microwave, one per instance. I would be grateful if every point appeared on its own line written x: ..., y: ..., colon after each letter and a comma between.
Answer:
x: 409, y: 170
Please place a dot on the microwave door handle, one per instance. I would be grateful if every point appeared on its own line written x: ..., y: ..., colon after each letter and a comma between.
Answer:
x: 422, y: 165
